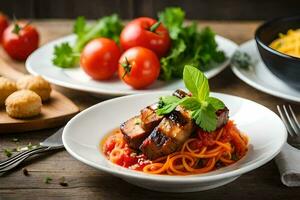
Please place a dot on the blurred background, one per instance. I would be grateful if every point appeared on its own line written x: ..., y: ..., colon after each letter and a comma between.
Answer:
x: 195, y: 9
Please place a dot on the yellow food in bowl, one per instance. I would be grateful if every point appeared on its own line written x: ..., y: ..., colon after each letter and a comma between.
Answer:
x: 288, y: 43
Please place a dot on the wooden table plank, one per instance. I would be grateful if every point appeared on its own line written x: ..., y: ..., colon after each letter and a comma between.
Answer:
x: 88, y: 183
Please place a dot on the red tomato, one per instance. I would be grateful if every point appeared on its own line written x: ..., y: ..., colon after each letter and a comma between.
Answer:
x: 99, y: 58
x: 3, y: 24
x: 139, y: 67
x: 20, y: 40
x: 138, y: 33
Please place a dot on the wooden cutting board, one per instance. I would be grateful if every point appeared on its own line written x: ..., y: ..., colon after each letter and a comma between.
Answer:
x: 56, y: 112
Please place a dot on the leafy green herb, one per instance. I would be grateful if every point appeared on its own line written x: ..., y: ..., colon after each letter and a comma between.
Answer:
x: 241, y: 60
x: 8, y: 152
x: 67, y: 55
x: 47, y: 179
x: 201, y: 106
x: 189, y: 46
x: 167, y: 104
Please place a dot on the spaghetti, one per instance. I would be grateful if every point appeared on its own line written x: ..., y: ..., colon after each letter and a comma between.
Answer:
x: 201, y: 153
x: 288, y: 43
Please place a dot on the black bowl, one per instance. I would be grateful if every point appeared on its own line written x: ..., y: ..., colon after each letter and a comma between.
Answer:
x: 285, y: 67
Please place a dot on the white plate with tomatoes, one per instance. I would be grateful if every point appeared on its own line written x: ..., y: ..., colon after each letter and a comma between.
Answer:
x: 40, y: 63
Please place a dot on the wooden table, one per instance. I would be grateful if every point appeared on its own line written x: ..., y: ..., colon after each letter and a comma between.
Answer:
x: 85, y: 182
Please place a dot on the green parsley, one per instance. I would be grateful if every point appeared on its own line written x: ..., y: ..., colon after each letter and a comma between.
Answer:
x: 201, y: 106
x: 47, y: 179
x: 65, y: 56
x: 189, y: 45
x: 8, y: 152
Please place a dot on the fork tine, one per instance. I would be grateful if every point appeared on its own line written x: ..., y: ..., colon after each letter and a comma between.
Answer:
x: 285, y: 121
x: 291, y: 121
x: 11, y: 159
x: 296, y: 122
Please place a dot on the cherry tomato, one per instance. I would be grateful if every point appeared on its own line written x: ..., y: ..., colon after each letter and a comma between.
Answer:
x: 3, y: 24
x: 148, y: 33
x: 139, y: 67
x: 20, y: 40
x: 99, y: 58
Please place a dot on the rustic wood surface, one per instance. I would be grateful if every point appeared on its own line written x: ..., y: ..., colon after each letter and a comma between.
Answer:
x: 85, y: 182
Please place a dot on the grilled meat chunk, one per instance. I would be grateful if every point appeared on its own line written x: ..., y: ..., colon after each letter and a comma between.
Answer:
x: 149, y: 117
x: 169, y: 135
x: 222, y: 116
x: 133, y: 132
x: 180, y: 94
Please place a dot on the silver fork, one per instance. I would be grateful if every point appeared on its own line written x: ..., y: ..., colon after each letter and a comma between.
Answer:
x: 51, y: 143
x: 291, y: 123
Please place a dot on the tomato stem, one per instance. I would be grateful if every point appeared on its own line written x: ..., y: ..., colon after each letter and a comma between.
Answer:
x: 16, y: 29
x: 154, y: 26
x: 127, y: 67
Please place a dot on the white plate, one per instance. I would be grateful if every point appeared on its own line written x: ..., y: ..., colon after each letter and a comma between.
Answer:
x: 82, y: 135
x: 39, y: 63
x: 261, y: 78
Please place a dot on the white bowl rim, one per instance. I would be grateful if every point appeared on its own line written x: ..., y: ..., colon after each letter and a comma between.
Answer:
x: 165, y: 178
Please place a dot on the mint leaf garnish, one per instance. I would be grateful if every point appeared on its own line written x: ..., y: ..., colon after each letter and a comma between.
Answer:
x: 201, y: 106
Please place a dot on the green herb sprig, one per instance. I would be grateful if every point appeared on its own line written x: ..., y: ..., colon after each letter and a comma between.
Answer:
x: 201, y: 106
x: 189, y: 45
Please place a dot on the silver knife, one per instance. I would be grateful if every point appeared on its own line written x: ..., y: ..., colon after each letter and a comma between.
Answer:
x: 51, y: 143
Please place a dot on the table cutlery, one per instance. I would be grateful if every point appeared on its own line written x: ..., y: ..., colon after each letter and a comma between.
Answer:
x: 291, y: 123
x: 53, y: 142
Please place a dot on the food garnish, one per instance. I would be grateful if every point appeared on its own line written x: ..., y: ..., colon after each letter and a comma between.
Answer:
x: 189, y: 46
x: 47, y: 179
x: 67, y: 55
x: 201, y: 106
x: 8, y: 152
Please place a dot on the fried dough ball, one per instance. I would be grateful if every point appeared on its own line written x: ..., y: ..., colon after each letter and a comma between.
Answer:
x: 7, y: 87
x: 23, y: 104
x: 36, y: 84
